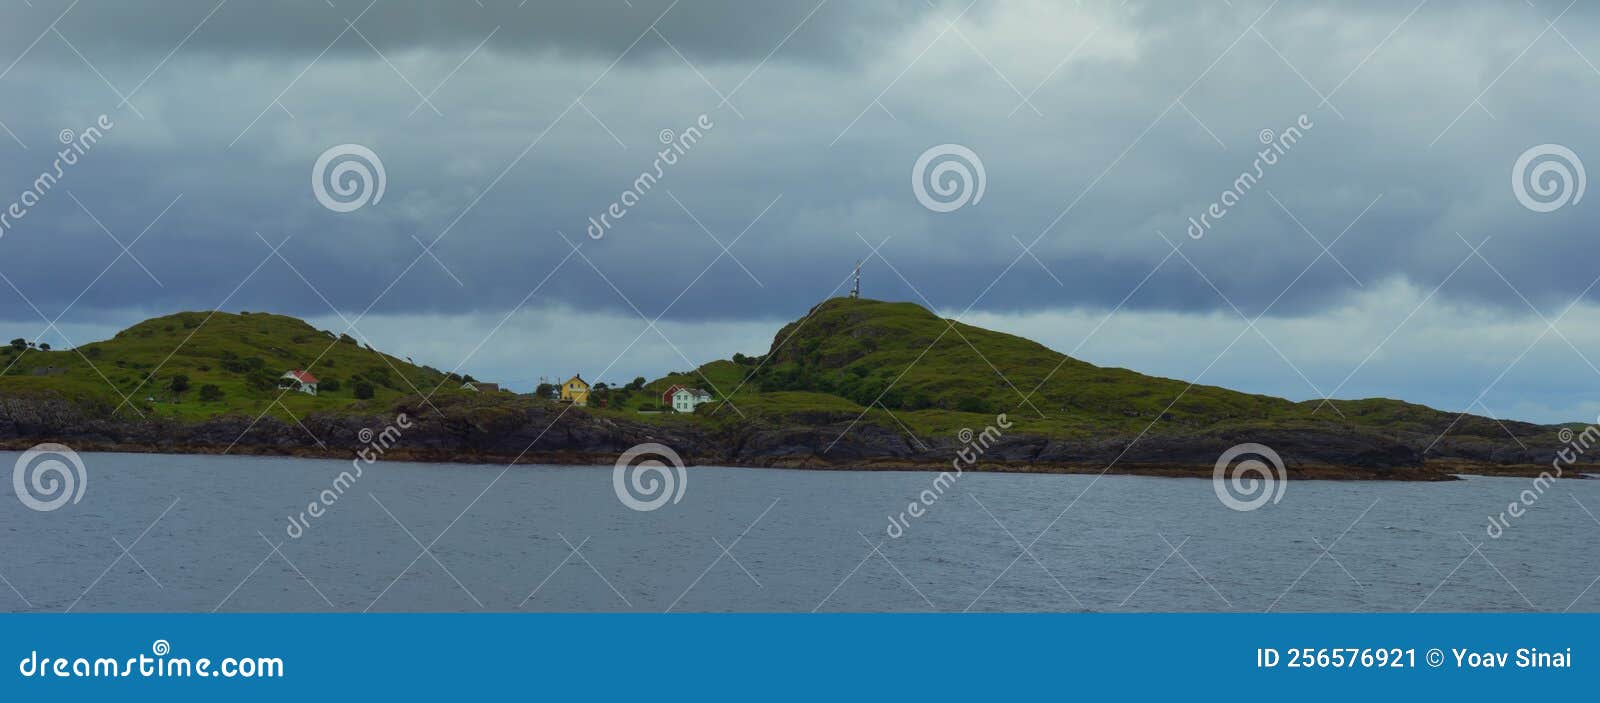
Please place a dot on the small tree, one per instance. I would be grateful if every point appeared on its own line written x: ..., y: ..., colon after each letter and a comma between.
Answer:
x: 19, y: 344
x: 363, y: 390
x: 636, y: 384
x: 210, y: 393
x: 179, y: 384
x: 545, y: 390
x: 44, y: 347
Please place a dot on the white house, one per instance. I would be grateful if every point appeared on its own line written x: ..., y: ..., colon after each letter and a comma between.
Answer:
x: 298, y: 380
x: 685, y: 400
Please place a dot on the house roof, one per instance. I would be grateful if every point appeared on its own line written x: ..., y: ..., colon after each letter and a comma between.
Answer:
x: 578, y: 378
x: 696, y: 392
x: 301, y: 376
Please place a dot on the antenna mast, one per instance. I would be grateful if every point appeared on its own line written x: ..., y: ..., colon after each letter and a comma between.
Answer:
x: 855, y: 291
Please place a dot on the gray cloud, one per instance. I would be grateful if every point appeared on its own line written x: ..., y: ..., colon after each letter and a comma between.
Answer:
x: 1402, y: 170
x: 297, y: 30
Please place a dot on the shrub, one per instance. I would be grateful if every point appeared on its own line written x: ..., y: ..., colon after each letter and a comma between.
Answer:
x: 262, y: 381
x: 363, y: 390
x: 210, y: 393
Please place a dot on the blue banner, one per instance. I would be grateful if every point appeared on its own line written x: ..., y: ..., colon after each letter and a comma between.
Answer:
x: 800, y: 657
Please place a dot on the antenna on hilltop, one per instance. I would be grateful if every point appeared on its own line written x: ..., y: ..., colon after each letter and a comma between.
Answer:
x: 855, y: 290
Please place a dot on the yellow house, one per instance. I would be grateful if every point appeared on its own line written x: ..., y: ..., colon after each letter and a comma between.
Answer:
x: 575, y: 391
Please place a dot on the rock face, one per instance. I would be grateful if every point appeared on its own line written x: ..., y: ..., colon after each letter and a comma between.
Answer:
x: 546, y: 433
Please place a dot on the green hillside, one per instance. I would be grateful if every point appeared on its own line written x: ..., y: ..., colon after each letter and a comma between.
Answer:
x: 895, y: 365
x: 240, y: 355
x: 935, y: 376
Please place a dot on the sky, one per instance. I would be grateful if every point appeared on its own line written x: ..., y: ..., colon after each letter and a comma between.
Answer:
x: 1395, y: 243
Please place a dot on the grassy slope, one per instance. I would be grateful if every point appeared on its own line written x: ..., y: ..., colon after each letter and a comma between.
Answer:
x: 937, y: 378
x: 910, y: 366
x: 236, y: 353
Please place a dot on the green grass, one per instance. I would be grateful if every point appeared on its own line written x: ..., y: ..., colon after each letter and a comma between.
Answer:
x: 896, y: 365
x: 240, y: 354
x: 937, y: 377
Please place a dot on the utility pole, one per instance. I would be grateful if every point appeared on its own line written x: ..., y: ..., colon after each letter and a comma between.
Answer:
x: 855, y: 291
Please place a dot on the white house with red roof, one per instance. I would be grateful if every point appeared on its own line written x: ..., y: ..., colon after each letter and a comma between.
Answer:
x: 298, y: 380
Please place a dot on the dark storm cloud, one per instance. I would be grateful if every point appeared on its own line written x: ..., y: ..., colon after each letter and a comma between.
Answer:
x: 829, y: 129
x: 708, y: 30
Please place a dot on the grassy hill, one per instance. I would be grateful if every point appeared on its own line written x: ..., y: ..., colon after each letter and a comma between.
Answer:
x: 240, y: 355
x: 936, y: 376
x: 894, y: 365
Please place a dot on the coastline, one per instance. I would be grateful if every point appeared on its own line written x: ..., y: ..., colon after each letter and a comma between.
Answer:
x: 1433, y: 470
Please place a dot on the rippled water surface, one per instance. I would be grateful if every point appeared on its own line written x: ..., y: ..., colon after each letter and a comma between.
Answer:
x: 200, y: 534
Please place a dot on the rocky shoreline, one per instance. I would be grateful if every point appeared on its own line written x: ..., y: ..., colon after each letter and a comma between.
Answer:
x: 543, y: 434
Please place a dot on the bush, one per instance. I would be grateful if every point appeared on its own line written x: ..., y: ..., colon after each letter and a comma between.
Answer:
x: 329, y: 384
x: 179, y: 384
x: 364, y: 390
x: 262, y: 381
x: 210, y: 393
